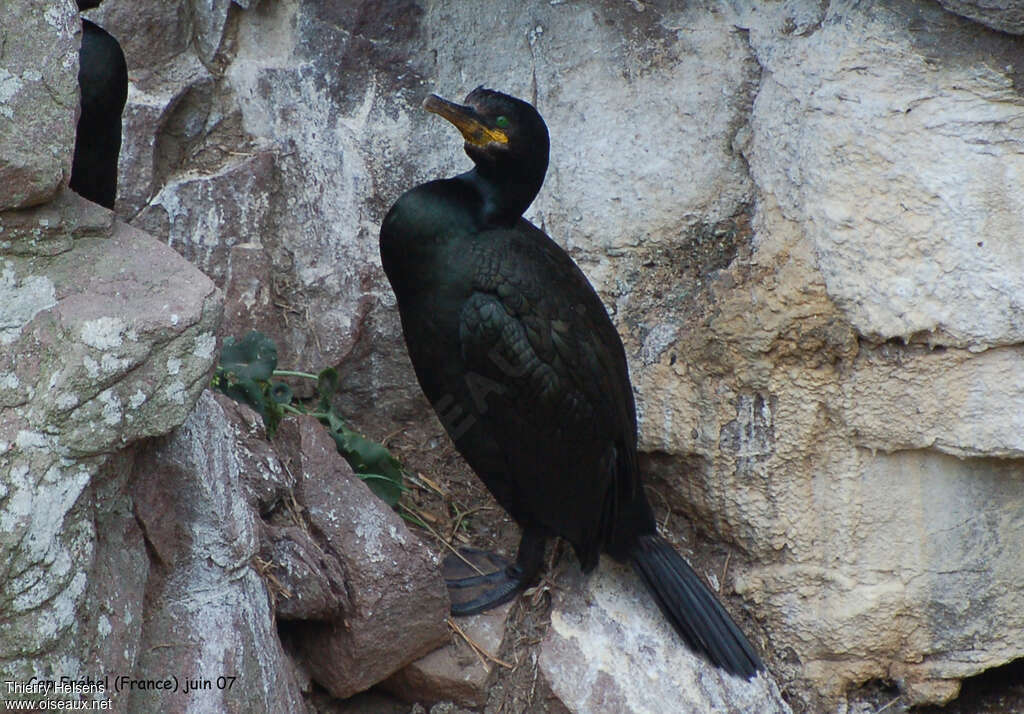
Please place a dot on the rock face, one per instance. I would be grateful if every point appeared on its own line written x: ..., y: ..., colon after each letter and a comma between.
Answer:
x: 132, y: 558
x: 93, y: 362
x: 38, y: 99
x: 610, y: 649
x: 271, y: 535
x: 389, y: 601
x: 803, y: 217
x: 203, y: 593
x: 1002, y: 16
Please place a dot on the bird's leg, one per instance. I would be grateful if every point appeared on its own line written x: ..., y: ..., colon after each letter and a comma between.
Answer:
x: 496, y: 581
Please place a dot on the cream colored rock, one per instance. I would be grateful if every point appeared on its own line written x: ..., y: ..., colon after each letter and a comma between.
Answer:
x: 904, y: 171
x: 610, y: 649
x: 826, y: 451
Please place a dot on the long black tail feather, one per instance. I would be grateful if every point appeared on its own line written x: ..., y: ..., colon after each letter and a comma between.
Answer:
x: 691, y: 608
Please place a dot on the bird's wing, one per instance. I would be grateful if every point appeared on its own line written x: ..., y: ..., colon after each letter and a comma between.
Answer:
x: 547, y: 371
x: 534, y: 324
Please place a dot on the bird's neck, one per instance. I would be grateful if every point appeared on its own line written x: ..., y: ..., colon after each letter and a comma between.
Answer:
x: 505, y: 193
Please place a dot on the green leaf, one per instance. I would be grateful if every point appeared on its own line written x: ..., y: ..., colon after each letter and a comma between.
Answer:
x: 327, y: 383
x: 370, y: 461
x: 336, y: 425
x: 253, y: 357
x: 244, y: 374
x: 385, y: 488
x: 281, y: 393
x: 246, y: 392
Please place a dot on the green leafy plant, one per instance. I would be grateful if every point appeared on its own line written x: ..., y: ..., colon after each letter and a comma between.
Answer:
x: 248, y: 374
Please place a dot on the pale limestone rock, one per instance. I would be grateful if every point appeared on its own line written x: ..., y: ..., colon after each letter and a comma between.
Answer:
x: 610, y: 649
x: 905, y: 176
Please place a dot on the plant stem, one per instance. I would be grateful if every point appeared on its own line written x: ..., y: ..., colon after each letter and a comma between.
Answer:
x: 292, y: 373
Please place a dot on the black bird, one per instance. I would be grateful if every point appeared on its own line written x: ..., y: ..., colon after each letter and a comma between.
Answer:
x: 518, y: 357
x: 103, y: 82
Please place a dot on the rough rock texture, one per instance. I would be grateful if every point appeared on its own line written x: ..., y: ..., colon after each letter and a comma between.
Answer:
x: 1002, y: 15
x: 127, y: 555
x: 392, y: 602
x: 38, y: 99
x: 92, y: 362
x: 459, y: 672
x: 51, y: 228
x: 922, y: 172
x: 610, y: 649
x: 803, y: 216
x: 203, y: 595
x: 355, y: 594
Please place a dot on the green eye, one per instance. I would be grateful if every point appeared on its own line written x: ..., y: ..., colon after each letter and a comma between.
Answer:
x: 502, y: 122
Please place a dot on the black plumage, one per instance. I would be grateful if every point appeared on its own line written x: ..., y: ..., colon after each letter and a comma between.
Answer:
x: 515, y: 351
x: 103, y: 82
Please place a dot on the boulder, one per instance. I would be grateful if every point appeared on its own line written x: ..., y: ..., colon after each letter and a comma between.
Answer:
x: 204, y: 597
x: 391, y: 606
x: 94, y: 361
x: 38, y: 99
x: 610, y: 649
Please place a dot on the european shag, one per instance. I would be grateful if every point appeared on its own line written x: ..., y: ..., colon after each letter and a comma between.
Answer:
x: 517, y: 355
x: 103, y: 82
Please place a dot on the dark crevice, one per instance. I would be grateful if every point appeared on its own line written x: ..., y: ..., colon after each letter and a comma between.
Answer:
x: 999, y: 690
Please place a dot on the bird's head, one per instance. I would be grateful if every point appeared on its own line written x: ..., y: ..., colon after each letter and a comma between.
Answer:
x: 500, y: 130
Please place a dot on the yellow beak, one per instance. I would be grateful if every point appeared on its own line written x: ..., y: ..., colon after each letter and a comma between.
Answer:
x: 466, y: 120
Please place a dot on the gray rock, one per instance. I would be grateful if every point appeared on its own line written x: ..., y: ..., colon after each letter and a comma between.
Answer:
x: 180, y: 212
x: 38, y: 99
x: 610, y: 649
x: 1002, y: 15
x: 208, y: 619
x: 106, y: 341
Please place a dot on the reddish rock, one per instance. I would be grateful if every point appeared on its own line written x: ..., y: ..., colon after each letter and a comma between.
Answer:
x: 456, y: 672
x: 38, y: 99
x: 51, y: 228
x: 308, y: 582
x: 207, y: 612
x: 397, y: 599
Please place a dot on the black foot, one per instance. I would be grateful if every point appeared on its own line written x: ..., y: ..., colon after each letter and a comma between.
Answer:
x: 486, y: 581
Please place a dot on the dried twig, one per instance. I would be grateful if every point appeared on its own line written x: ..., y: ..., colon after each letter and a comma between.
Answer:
x: 483, y: 654
x: 442, y: 541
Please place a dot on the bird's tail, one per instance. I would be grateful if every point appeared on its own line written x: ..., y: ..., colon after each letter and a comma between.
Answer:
x: 691, y: 608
